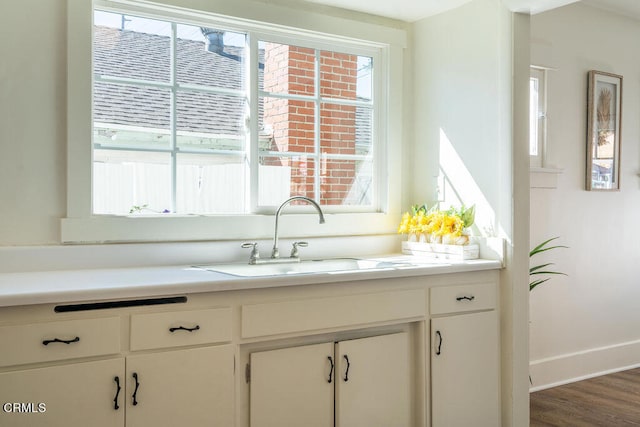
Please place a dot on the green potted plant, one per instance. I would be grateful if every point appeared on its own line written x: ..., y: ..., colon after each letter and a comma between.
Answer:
x: 541, y: 269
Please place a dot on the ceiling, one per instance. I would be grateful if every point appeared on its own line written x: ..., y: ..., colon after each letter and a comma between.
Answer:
x: 413, y: 10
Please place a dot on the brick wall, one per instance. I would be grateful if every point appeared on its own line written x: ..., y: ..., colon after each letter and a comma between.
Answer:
x: 290, y: 69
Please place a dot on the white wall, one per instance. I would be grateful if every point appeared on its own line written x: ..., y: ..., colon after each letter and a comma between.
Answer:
x: 464, y: 110
x: 32, y: 120
x: 586, y: 323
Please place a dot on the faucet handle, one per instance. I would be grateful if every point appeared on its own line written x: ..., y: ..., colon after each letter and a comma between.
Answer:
x: 294, y: 249
x: 255, y: 254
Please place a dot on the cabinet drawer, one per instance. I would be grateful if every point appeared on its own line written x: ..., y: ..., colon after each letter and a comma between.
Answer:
x: 43, y: 342
x: 463, y: 298
x: 322, y: 313
x: 180, y: 328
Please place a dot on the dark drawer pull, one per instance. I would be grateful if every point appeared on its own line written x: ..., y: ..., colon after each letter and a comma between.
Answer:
x: 440, y: 340
x: 468, y: 298
x: 47, y: 342
x: 346, y: 374
x: 331, y: 371
x: 115, y: 399
x: 134, y: 396
x: 182, y: 328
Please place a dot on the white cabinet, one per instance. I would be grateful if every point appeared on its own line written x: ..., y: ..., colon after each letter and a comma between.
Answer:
x: 465, y: 358
x: 79, y: 394
x: 75, y: 394
x: 345, y: 354
x: 293, y: 386
x: 373, y: 386
x: 191, y: 387
x: 61, y: 340
x: 180, y: 328
x: 368, y: 379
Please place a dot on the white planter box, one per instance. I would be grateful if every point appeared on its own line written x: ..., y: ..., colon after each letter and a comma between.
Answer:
x: 440, y: 251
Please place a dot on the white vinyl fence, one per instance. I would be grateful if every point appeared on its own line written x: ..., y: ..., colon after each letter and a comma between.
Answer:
x: 201, y: 189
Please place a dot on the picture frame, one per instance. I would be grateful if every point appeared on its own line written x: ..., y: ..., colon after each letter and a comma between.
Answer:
x: 604, y: 131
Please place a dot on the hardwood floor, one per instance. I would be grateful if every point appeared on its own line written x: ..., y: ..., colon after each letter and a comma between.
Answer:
x: 609, y: 401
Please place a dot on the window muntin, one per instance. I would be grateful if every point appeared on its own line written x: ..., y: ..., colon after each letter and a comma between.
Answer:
x: 321, y: 157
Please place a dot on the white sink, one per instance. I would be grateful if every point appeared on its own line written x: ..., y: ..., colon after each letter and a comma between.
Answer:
x: 331, y: 265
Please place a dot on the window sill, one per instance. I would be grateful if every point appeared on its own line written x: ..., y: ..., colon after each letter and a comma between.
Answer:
x: 544, y: 177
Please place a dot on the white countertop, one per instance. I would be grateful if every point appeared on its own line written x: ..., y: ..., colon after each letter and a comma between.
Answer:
x: 121, y: 283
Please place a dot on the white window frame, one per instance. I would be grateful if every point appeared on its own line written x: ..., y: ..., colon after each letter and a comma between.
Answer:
x: 538, y: 118
x: 81, y: 225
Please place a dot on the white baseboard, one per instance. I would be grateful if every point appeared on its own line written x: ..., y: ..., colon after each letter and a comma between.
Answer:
x: 572, y: 367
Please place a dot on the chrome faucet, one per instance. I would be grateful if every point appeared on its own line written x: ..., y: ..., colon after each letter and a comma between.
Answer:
x: 254, y: 258
x: 294, y: 253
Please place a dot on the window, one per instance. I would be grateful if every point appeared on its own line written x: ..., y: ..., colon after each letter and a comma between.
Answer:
x: 537, y: 115
x: 165, y: 174
x: 212, y: 118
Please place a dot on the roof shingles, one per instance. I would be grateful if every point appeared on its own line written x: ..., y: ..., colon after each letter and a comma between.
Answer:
x: 142, y: 56
x: 135, y: 55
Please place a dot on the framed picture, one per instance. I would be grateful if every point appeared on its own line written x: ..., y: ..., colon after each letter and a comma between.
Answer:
x: 604, y: 124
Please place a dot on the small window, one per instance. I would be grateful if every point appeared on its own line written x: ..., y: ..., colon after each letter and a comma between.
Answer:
x: 173, y: 131
x: 537, y: 116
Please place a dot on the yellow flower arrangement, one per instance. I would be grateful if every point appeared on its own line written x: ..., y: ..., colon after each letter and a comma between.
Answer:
x: 436, y: 226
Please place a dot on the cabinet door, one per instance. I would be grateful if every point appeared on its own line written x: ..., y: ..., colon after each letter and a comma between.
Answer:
x: 373, y: 384
x: 292, y: 387
x: 80, y: 394
x: 465, y: 370
x: 192, y: 388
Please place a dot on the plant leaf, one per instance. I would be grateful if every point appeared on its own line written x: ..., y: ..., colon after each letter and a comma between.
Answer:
x: 538, y: 267
x: 536, y: 283
x: 541, y: 247
x: 548, y: 249
x: 468, y: 215
x: 547, y: 272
